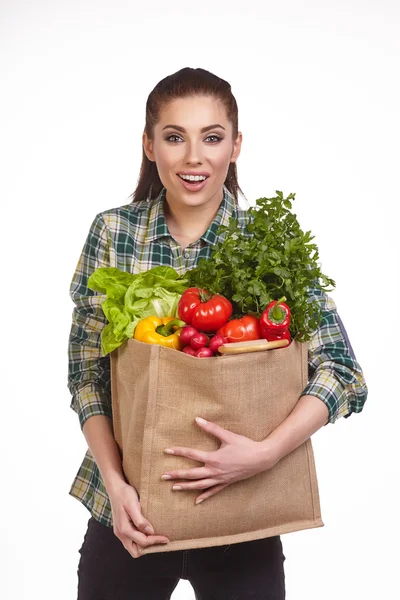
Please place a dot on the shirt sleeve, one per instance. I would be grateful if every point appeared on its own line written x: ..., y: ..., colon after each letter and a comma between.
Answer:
x: 88, y: 370
x: 335, y: 376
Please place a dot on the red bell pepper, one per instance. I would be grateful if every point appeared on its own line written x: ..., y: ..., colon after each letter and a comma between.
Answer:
x: 241, y: 330
x: 275, y: 321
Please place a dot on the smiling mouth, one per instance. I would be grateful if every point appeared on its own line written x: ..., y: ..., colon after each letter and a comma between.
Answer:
x: 193, y: 186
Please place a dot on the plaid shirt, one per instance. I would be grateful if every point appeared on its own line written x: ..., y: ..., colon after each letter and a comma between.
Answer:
x: 135, y: 237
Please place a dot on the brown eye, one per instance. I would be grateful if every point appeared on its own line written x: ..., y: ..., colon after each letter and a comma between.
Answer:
x: 215, y: 137
x: 171, y: 136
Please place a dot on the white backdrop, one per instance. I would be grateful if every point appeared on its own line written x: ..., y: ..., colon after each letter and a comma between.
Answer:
x: 318, y: 92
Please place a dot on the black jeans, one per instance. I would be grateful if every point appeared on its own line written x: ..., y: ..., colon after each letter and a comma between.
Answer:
x: 243, y: 571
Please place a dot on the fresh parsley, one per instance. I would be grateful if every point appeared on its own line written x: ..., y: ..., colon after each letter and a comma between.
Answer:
x: 272, y: 257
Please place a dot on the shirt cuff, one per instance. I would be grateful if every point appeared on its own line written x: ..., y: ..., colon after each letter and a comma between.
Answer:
x: 89, y: 401
x: 326, y: 387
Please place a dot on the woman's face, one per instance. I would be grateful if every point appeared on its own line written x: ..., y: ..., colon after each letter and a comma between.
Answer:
x: 180, y: 145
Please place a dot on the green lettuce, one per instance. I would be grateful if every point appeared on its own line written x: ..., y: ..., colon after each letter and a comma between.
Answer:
x: 131, y: 298
x: 110, y: 281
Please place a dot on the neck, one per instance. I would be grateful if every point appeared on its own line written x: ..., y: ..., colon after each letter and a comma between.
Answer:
x: 190, y: 222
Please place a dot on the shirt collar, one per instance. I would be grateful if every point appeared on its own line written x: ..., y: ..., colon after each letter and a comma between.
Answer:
x: 158, y: 228
x: 157, y: 225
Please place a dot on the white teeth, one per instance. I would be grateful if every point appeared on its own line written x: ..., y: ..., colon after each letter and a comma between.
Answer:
x: 193, y: 177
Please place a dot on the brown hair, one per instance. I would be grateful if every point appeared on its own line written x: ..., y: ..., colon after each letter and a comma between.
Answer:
x: 182, y: 84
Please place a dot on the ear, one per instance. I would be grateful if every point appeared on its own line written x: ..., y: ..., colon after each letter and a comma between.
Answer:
x: 236, y: 147
x: 148, y: 147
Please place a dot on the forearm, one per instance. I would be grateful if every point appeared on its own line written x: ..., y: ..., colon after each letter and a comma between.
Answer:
x: 100, y: 439
x: 309, y: 415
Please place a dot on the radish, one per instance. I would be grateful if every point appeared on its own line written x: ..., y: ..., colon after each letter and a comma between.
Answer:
x: 216, y: 341
x: 199, y: 340
x: 204, y: 353
x: 189, y: 350
x: 186, y: 334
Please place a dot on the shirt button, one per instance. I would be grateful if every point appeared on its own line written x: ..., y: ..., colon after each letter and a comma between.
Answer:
x: 186, y: 254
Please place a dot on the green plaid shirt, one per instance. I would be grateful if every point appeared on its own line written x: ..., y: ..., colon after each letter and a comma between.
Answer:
x: 135, y: 237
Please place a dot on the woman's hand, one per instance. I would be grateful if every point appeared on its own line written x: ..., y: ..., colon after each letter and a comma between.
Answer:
x: 129, y: 525
x: 238, y: 457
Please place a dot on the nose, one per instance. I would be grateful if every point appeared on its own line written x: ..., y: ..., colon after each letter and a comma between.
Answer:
x: 194, y: 153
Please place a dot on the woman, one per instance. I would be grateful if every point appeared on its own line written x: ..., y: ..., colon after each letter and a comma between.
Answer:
x: 191, y: 128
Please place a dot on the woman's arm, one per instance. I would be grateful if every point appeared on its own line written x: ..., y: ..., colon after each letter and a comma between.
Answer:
x: 98, y: 432
x: 336, y: 388
x: 130, y: 526
x: 90, y: 385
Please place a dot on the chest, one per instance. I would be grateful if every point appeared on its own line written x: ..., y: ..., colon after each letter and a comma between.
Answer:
x: 129, y: 252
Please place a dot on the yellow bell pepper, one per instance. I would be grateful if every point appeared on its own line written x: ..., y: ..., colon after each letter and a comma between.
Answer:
x: 155, y: 330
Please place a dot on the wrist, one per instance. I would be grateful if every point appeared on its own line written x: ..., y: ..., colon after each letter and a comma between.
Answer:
x: 268, y: 455
x: 114, y: 482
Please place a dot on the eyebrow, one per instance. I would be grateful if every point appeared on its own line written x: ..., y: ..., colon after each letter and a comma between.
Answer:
x: 203, y: 130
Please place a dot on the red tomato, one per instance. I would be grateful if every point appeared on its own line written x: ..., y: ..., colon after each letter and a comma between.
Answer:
x: 187, y: 303
x: 204, y: 311
x: 241, y: 330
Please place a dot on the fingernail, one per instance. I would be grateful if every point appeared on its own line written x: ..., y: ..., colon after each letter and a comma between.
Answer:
x: 169, y: 451
x: 198, y: 501
x: 200, y: 420
x: 176, y: 487
x: 166, y: 477
x: 149, y: 529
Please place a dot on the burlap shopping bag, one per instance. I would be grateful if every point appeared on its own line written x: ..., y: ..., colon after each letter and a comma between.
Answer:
x: 156, y: 394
